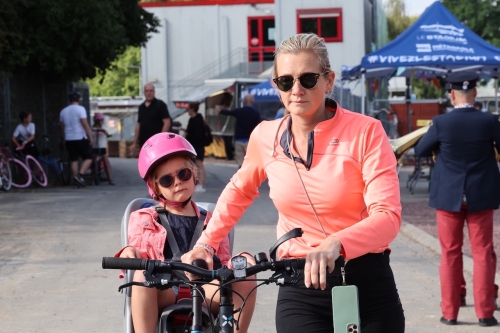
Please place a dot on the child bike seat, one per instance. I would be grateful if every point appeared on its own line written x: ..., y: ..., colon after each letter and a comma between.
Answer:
x: 184, y: 306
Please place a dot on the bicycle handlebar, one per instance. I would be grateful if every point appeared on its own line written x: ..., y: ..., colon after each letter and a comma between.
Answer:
x: 158, y: 266
x: 162, y: 275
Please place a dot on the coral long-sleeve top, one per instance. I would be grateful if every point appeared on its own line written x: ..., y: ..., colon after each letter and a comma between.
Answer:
x: 351, y: 181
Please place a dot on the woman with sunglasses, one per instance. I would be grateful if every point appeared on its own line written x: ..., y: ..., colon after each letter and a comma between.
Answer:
x: 166, y: 163
x: 332, y: 173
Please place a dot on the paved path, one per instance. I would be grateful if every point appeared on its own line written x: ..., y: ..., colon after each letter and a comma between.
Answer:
x: 52, y: 242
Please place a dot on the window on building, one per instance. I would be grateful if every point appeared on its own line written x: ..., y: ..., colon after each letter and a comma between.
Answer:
x: 324, y: 22
x: 261, y: 44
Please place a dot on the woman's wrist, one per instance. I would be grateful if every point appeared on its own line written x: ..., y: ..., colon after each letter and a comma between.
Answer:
x: 338, y: 244
x: 206, y: 247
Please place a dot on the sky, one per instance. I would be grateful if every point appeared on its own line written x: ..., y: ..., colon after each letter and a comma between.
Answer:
x: 417, y: 7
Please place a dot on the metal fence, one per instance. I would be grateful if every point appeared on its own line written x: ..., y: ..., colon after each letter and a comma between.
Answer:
x: 346, y: 99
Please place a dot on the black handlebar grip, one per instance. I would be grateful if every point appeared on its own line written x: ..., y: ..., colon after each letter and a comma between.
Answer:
x: 124, y: 263
x: 301, y: 262
x: 200, y: 263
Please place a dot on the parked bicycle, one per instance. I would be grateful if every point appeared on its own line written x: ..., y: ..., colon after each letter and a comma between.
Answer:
x: 5, y: 174
x: 101, y: 169
x: 162, y: 275
x: 34, y: 167
x: 59, y: 167
x: 20, y: 173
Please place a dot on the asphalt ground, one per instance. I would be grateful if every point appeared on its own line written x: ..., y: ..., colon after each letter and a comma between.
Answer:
x: 52, y: 241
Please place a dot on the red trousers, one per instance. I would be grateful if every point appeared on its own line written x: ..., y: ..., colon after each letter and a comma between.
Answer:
x: 450, y: 232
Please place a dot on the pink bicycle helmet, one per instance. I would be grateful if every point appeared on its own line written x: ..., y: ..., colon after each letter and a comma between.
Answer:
x: 159, y: 146
x: 98, y: 116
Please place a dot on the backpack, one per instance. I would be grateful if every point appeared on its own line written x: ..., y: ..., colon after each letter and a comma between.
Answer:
x: 207, y: 135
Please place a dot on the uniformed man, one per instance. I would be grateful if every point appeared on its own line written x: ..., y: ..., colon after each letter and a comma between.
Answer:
x: 465, y: 186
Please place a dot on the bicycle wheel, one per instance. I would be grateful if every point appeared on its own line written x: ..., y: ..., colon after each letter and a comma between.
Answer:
x: 96, y: 173
x: 21, y: 175
x: 65, y: 167
x: 37, y: 173
x: 102, y: 170
x: 5, y: 175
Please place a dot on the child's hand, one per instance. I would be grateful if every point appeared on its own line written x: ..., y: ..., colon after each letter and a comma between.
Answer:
x: 130, y: 252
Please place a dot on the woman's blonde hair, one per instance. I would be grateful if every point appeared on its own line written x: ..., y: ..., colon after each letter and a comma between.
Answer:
x: 189, y: 163
x: 306, y: 42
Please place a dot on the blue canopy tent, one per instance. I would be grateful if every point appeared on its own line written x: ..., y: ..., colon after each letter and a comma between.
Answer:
x: 267, y: 101
x: 435, y: 45
x: 262, y: 92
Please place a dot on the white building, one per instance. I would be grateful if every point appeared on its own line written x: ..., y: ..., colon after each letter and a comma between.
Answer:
x: 213, y: 39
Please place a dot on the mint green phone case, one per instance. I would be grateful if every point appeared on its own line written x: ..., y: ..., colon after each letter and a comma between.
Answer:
x: 345, y: 309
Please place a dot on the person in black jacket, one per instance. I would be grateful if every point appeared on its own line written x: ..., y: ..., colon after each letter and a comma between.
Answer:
x: 465, y: 186
x: 194, y: 134
x: 247, y: 118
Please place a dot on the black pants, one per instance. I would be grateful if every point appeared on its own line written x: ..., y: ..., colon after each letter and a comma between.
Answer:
x: 301, y: 309
x: 30, y: 149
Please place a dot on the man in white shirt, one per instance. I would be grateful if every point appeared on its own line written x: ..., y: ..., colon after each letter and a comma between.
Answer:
x: 77, y: 137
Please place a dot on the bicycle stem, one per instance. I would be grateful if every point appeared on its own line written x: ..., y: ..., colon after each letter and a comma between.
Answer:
x: 197, y: 295
x: 226, y: 315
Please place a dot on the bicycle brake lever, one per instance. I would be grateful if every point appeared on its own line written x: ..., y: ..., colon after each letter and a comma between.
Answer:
x: 291, y: 276
x: 159, y: 281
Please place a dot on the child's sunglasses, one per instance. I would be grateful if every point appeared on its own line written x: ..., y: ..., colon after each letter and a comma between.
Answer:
x: 168, y: 180
x: 307, y: 80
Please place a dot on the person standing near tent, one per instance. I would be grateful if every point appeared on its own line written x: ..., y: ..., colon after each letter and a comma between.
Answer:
x: 465, y: 186
x: 247, y: 118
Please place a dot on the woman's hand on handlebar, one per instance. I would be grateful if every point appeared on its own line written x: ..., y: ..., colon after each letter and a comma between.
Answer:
x: 197, y: 253
x: 130, y: 252
x: 319, y: 260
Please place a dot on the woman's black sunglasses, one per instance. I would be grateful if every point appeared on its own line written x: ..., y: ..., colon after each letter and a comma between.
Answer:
x: 307, y: 80
x: 168, y: 180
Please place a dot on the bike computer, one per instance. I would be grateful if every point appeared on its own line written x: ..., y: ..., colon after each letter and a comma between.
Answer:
x: 239, y: 264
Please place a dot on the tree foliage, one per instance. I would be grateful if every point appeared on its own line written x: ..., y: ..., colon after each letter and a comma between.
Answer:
x: 427, y: 90
x: 480, y: 16
x: 70, y: 38
x: 122, y: 79
x: 397, y: 21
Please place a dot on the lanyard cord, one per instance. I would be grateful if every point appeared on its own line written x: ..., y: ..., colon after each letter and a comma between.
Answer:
x: 302, y: 183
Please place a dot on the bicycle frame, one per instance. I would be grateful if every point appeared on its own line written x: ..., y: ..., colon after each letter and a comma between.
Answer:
x: 51, y: 162
x: 159, y: 274
x: 99, y: 165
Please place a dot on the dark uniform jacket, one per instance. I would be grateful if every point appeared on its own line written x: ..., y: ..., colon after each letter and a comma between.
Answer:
x: 463, y: 140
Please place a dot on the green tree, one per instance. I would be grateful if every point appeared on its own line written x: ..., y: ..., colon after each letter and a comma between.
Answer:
x: 427, y: 90
x: 122, y: 79
x: 70, y: 38
x: 397, y: 20
x: 480, y: 16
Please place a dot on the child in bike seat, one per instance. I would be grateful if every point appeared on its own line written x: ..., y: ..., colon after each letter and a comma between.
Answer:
x: 166, y: 163
x: 100, y: 143
x: 24, y: 135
